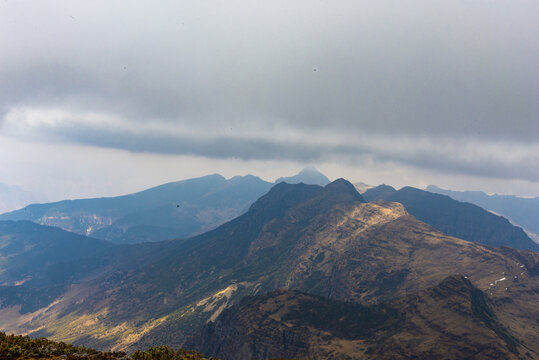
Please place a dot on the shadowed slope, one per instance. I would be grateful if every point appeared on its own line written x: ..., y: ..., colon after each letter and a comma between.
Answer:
x: 524, y: 211
x: 463, y: 220
x: 173, y: 210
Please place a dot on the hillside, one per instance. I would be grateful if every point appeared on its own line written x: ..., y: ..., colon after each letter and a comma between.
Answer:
x: 452, y: 320
x: 523, y: 211
x: 175, y: 210
x: 172, y: 210
x: 323, y: 241
x: 29, y: 250
x: 459, y: 219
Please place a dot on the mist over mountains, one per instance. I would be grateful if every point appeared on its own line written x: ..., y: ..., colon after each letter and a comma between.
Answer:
x: 13, y: 197
x: 174, y: 210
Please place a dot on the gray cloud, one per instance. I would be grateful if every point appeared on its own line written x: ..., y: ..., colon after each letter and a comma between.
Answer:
x: 460, y: 72
x: 467, y: 156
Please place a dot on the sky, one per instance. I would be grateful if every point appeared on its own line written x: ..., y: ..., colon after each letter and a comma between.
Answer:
x: 101, y: 98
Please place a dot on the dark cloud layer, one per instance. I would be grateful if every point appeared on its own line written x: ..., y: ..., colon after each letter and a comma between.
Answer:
x: 469, y: 156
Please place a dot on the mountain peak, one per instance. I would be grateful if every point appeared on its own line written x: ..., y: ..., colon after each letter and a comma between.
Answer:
x: 344, y: 188
x: 380, y: 192
x: 284, y: 196
x: 309, y: 175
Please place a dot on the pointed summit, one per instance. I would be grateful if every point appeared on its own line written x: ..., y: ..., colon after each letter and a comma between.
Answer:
x: 309, y: 175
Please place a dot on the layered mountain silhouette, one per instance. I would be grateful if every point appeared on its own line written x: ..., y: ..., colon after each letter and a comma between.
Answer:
x: 523, y: 211
x: 309, y: 175
x: 174, y: 210
x: 463, y: 220
x: 323, y: 241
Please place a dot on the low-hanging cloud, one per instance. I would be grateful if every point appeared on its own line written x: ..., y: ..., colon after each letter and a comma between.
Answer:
x: 469, y: 155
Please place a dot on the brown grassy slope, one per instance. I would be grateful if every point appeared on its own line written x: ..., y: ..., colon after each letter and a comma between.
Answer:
x: 448, y: 321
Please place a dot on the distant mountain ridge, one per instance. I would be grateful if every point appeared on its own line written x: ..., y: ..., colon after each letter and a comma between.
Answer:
x: 463, y: 220
x: 309, y: 175
x: 523, y: 211
x: 174, y: 210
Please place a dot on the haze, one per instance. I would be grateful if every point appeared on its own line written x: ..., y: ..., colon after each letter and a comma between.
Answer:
x: 104, y: 98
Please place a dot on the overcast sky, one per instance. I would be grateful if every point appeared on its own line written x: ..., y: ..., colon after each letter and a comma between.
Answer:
x: 109, y: 97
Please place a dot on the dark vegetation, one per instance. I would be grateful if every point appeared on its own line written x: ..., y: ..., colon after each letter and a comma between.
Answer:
x: 344, y: 319
x: 16, y: 347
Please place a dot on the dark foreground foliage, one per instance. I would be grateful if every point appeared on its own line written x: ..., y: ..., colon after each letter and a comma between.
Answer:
x: 16, y: 347
x: 167, y: 353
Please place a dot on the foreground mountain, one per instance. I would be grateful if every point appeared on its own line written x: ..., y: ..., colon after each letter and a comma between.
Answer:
x: 380, y: 192
x: 13, y: 197
x: 452, y: 320
x: 326, y: 241
x: 455, y: 218
x: 523, y: 211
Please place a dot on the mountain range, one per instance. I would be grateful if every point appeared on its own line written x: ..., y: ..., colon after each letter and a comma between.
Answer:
x: 174, y: 210
x: 463, y: 220
x: 520, y: 210
x: 413, y: 289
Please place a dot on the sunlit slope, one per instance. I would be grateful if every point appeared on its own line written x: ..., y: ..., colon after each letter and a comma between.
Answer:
x: 460, y: 219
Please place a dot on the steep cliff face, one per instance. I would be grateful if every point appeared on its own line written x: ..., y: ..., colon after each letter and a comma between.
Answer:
x: 453, y: 320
